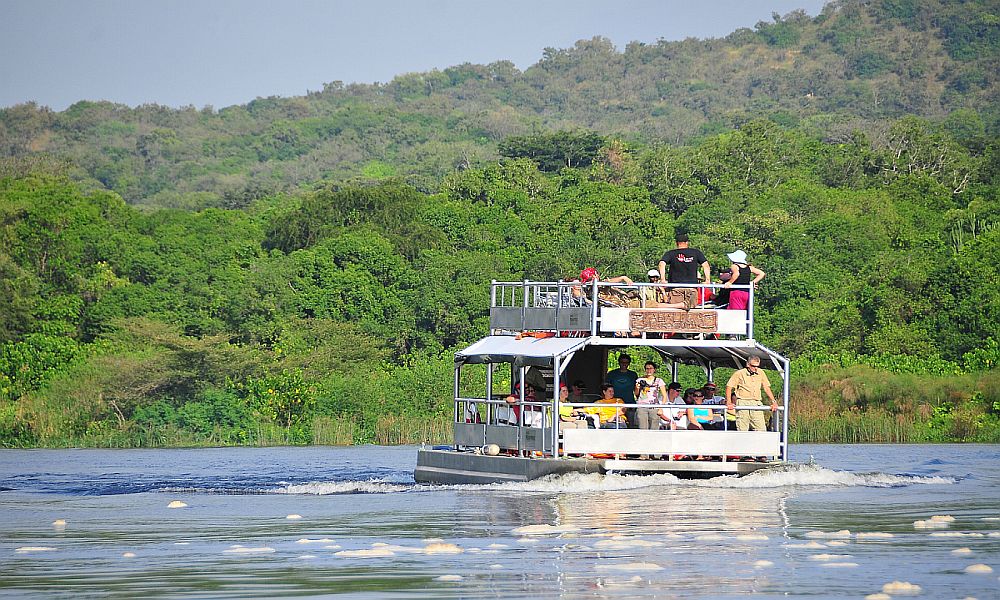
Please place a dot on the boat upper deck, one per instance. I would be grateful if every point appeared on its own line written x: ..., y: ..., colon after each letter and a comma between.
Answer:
x: 614, y: 314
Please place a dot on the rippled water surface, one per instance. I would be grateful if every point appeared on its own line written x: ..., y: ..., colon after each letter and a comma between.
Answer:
x: 843, y: 527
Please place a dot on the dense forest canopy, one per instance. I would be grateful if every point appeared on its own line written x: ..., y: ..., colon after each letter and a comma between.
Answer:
x: 854, y: 67
x: 301, y: 269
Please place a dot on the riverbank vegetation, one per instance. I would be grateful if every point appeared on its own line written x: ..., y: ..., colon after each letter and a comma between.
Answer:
x: 186, y: 291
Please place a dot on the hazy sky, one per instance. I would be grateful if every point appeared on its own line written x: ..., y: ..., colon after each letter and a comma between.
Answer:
x: 223, y: 52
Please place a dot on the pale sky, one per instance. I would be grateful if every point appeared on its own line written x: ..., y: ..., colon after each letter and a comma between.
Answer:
x: 224, y: 52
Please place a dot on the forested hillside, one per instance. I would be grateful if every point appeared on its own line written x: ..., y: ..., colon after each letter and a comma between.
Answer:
x: 324, y: 255
x: 852, y: 68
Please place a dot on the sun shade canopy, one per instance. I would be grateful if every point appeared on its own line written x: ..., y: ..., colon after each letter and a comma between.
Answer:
x: 527, y: 351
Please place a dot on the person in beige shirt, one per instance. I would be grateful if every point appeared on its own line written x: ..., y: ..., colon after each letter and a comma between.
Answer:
x: 743, y: 389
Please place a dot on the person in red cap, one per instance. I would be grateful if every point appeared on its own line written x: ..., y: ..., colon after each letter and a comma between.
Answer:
x: 587, y: 276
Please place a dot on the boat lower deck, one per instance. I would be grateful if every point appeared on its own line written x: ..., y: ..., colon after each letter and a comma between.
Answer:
x: 456, y: 467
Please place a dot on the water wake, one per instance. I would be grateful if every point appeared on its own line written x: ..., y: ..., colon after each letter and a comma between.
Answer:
x: 774, y: 477
x: 318, y: 488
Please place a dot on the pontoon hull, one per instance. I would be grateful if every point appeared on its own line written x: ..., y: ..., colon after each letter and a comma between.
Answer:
x: 452, y: 467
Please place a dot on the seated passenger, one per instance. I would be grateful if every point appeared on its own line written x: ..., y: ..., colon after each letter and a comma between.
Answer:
x: 656, y: 297
x: 669, y: 417
x: 699, y: 418
x: 610, y: 417
x: 576, y: 393
x: 570, y: 417
x: 532, y: 414
x: 721, y: 297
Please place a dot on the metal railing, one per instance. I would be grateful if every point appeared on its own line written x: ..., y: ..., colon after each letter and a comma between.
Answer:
x: 569, y: 308
x: 546, y: 412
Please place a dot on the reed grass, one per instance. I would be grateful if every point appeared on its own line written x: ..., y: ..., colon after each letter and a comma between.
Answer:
x: 392, y: 430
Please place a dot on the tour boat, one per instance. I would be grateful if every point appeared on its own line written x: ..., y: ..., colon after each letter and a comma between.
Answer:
x: 566, y: 331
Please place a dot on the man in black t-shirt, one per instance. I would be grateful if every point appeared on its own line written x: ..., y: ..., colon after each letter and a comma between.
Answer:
x: 683, y: 262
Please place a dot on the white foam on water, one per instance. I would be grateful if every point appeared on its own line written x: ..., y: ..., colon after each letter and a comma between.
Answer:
x: 760, y: 564
x: 812, y: 544
x: 313, y: 541
x: 943, y: 518
x: 878, y: 596
x: 442, y: 548
x: 326, y: 488
x: 956, y: 534
x: 709, y: 537
x: 781, y: 475
x: 59, y: 525
x: 306, y: 556
x: 979, y: 569
x: 432, y: 540
x: 182, y: 543
x: 496, y: 566
x: 873, y: 535
x: 544, y: 529
x: 128, y: 554
x: 836, y: 543
x: 991, y: 518
x: 584, y: 482
x: 177, y: 504
x: 901, y: 588
x: 839, y: 565
x: 829, y: 556
x: 752, y: 537
x: 961, y: 551
x: 293, y: 517
x: 814, y: 475
x: 370, y: 553
x: 237, y: 549
x: 636, y: 566
x: 30, y: 549
x: 528, y: 540
x: 622, y: 543
x: 333, y: 547
x: 498, y: 546
x: 842, y: 534
x: 448, y: 578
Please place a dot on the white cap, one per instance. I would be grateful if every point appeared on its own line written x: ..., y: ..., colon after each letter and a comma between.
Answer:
x: 653, y: 273
x: 738, y: 256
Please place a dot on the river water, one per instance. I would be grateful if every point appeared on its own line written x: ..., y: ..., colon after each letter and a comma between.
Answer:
x: 96, y: 523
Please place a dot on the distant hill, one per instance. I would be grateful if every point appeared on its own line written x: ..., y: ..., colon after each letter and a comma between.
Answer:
x: 856, y: 66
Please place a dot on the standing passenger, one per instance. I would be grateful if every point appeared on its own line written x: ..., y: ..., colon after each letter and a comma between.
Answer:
x: 623, y: 380
x: 680, y: 265
x: 743, y: 274
x: 745, y: 385
x: 649, y: 390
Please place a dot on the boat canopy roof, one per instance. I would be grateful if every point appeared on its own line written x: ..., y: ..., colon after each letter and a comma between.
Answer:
x: 541, y: 352
x: 527, y: 351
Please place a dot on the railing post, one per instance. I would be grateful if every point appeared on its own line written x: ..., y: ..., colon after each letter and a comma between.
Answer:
x: 593, y: 309
x: 520, y: 411
x: 555, y: 415
x: 784, y: 413
x: 559, y: 299
x: 489, y: 393
x: 750, y: 312
x: 524, y: 305
x: 458, y: 369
